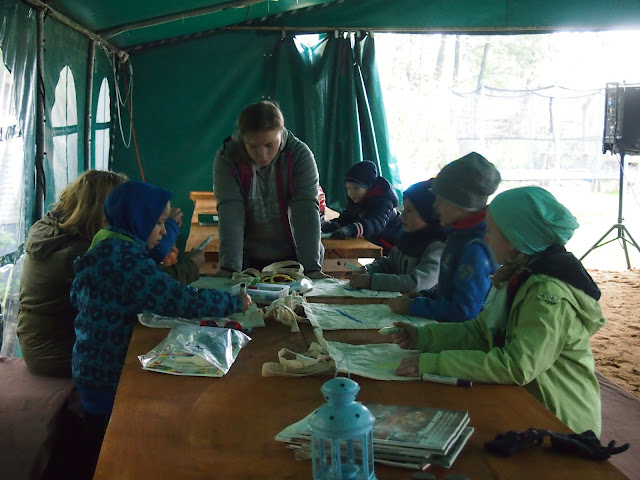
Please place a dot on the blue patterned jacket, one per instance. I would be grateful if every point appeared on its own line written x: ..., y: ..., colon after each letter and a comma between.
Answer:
x: 115, y: 280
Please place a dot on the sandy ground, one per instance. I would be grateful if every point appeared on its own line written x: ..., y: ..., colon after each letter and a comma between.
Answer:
x: 616, y: 347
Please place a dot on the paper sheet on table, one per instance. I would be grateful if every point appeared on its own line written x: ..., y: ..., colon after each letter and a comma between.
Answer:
x: 356, y: 317
x: 249, y: 319
x: 378, y: 361
x: 216, y: 283
x: 332, y: 287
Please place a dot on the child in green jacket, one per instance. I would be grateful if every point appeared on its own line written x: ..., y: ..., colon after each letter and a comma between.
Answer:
x: 535, y: 327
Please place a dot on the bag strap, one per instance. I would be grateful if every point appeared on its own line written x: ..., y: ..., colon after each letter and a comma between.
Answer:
x: 285, y: 266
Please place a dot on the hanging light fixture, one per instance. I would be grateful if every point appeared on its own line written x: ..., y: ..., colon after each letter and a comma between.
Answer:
x: 341, y: 434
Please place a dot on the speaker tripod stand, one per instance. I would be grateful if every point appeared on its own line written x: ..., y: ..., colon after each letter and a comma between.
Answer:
x: 619, y: 227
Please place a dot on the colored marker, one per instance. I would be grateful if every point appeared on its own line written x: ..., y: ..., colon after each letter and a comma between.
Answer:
x: 352, y: 266
x: 243, y: 287
x: 389, y: 330
x: 460, y: 382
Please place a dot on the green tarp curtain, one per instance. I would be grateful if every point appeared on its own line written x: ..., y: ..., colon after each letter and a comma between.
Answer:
x: 18, y: 44
x: 17, y: 154
x: 188, y: 96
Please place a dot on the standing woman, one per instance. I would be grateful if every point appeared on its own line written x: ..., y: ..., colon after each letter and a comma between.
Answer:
x: 266, y: 186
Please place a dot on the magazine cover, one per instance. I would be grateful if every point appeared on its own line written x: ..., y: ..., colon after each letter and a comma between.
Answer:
x: 434, y: 429
x: 431, y: 430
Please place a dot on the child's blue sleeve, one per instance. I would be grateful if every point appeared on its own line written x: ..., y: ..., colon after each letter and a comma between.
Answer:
x: 157, y: 292
x: 472, y: 283
x: 168, y: 240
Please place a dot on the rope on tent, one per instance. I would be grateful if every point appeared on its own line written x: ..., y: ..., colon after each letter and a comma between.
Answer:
x: 119, y: 102
x: 128, y: 101
x: 129, y: 95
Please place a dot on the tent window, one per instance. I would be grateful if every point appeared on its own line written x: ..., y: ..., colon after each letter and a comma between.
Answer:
x: 11, y: 166
x: 103, y: 122
x: 64, y: 120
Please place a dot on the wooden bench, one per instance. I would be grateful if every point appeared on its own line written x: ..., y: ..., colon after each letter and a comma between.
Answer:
x: 621, y: 422
x: 30, y: 411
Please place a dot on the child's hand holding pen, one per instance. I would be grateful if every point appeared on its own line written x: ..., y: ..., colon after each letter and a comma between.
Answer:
x: 400, y: 305
x: 405, y: 335
x: 246, y: 299
x: 360, y: 280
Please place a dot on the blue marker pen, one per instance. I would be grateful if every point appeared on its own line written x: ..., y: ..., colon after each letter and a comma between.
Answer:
x: 460, y: 382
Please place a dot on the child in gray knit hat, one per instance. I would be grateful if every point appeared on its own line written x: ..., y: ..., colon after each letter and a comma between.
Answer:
x: 462, y: 188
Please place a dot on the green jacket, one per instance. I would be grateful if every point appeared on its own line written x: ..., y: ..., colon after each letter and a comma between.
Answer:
x: 542, y: 343
x: 46, y: 315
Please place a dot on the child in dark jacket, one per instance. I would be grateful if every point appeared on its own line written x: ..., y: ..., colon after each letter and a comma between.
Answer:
x: 414, y: 263
x: 117, y: 279
x: 462, y: 188
x: 371, y: 209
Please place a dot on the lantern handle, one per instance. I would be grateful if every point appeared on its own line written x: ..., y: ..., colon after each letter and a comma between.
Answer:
x: 348, y: 367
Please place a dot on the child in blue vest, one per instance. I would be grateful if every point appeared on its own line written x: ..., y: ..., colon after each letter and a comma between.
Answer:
x: 414, y: 263
x: 117, y: 279
x: 462, y: 188
x: 371, y: 209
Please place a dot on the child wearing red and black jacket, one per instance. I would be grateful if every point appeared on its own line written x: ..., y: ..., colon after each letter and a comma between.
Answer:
x: 371, y: 209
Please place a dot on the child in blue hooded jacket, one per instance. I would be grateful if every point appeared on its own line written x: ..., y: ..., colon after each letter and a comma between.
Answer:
x: 117, y: 279
x: 462, y: 188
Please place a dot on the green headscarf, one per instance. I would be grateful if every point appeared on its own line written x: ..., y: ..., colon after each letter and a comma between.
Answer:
x: 532, y: 219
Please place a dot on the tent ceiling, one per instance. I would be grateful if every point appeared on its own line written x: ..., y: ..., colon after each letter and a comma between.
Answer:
x: 127, y: 23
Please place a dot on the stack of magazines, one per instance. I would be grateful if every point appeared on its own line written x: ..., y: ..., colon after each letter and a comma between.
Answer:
x: 403, y: 436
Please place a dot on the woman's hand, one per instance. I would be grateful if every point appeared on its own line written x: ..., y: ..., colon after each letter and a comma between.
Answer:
x: 400, y: 305
x: 407, y: 338
x: 222, y: 273
x: 317, y: 275
x: 246, y: 301
x: 409, y: 367
x: 360, y: 280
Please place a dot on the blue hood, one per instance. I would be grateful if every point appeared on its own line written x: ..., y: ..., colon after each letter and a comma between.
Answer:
x: 135, y: 207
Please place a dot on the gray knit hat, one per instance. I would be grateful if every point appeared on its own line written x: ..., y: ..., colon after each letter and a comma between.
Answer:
x: 467, y: 182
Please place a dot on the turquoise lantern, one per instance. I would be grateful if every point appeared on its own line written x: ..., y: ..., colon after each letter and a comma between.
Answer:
x: 341, y: 434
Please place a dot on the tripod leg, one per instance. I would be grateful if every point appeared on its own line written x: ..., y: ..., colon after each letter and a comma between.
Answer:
x: 633, y: 242
x: 624, y: 247
x: 622, y: 231
x: 595, y: 245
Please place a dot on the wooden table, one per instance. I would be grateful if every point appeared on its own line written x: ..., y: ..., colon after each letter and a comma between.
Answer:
x: 186, y: 428
x: 337, y: 252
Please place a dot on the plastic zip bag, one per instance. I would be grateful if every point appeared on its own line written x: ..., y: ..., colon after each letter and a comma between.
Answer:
x: 197, y: 351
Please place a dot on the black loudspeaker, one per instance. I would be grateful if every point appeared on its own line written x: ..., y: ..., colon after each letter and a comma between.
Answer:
x: 621, y: 119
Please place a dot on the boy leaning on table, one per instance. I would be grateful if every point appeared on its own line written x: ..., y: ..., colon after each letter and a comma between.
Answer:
x: 462, y: 188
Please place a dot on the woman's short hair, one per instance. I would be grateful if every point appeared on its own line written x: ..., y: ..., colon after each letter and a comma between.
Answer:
x: 80, y: 208
x: 261, y: 116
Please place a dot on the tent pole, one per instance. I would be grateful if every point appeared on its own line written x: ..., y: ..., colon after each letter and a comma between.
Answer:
x: 38, y: 207
x: 196, y: 12
x: 88, y: 104
x: 42, y: 6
